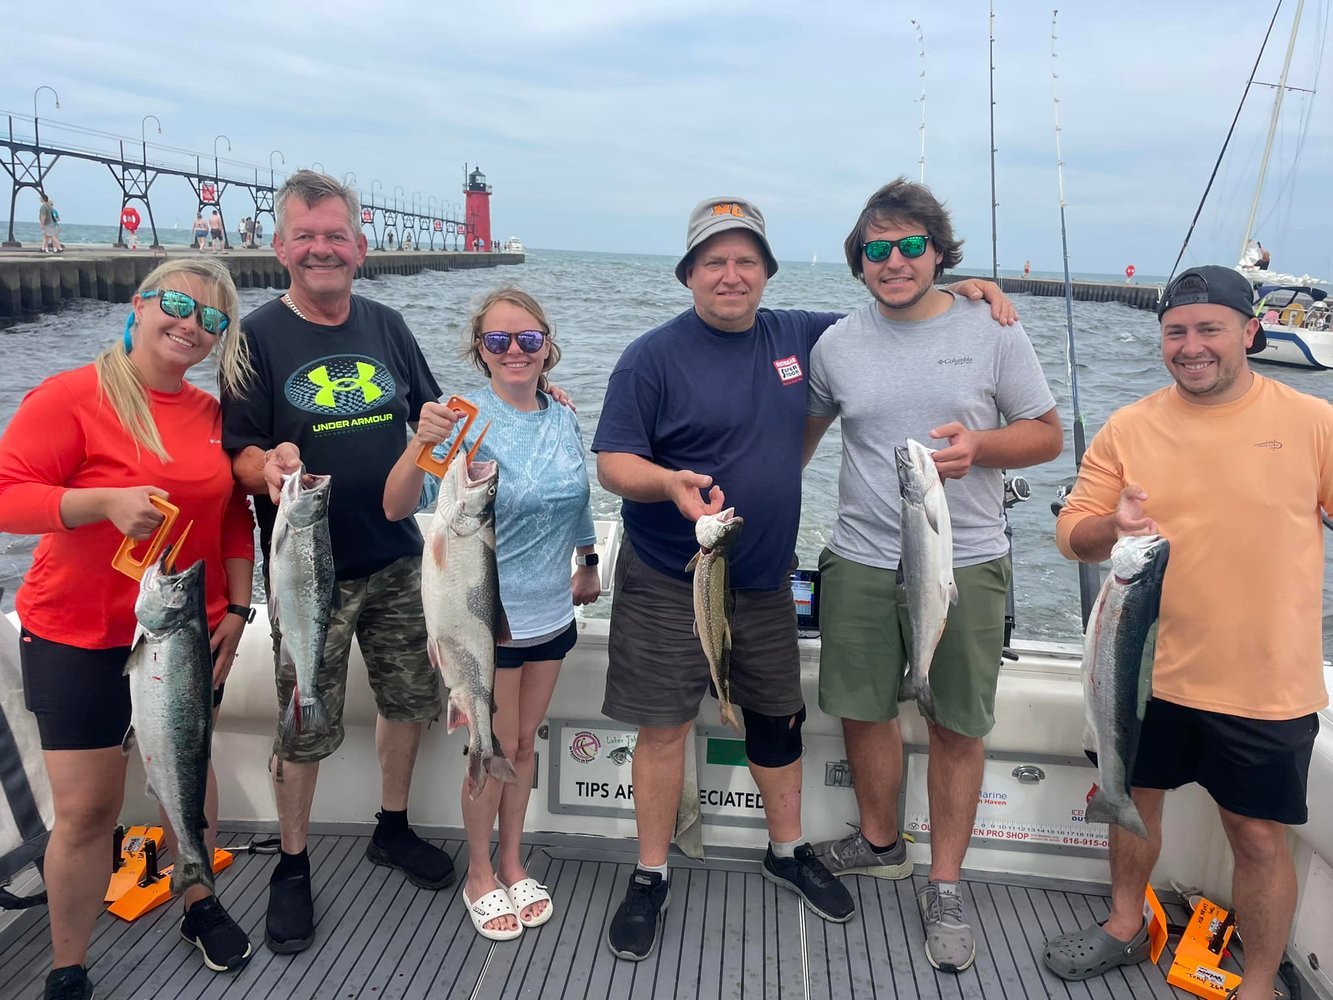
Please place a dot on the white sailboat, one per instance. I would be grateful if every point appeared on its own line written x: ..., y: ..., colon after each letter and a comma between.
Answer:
x: 1294, y: 308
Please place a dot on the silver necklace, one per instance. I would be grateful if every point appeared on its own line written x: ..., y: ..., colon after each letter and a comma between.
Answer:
x: 287, y: 301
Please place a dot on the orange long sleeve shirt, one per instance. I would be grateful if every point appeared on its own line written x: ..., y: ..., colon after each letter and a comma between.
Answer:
x: 1237, y: 490
x: 66, y: 436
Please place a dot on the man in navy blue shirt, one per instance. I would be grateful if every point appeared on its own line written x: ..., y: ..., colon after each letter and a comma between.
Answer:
x: 715, y: 396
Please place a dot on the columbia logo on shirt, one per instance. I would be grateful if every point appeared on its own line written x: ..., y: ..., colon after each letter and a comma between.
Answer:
x: 789, y: 370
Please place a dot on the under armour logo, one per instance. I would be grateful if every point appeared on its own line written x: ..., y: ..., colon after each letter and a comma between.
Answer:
x: 328, y: 386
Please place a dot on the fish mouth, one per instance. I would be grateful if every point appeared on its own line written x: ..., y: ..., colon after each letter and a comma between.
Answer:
x: 479, y: 472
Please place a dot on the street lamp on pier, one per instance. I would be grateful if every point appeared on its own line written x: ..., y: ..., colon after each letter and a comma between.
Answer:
x: 215, y: 153
x: 346, y: 182
x: 35, y: 140
x: 143, y: 134
x: 396, y: 189
x: 278, y: 154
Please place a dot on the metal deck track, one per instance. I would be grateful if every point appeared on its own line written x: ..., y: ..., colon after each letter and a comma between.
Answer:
x: 728, y: 934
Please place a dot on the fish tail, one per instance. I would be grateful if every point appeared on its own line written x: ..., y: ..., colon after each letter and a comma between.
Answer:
x: 188, y: 873
x: 497, y: 765
x: 291, y: 719
x: 728, y: 712
x: 1125, y: 815
x: 315, y: 716
x: 925, y: 701
x: 476, y: 773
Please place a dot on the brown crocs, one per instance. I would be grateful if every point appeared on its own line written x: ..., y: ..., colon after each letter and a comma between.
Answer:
x: 1092, y: 952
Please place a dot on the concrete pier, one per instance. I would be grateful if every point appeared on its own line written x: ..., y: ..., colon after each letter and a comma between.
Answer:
x: 33, y: 282
x: 1138, y: 296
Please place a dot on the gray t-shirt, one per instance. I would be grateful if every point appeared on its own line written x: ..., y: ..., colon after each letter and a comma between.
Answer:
x: 891, y: 380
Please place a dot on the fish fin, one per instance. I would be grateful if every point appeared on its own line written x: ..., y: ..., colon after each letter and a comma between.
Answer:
x: 193, y: 873
x: 432, y: 654
x: 439, y: 550
x: 291, y: 720
x: 925, y: 701
x: 694, y: 561
x: 906, y: 684
x: 274, y: 612
x: 952, y: 590
x: 130, y: 741
x: 1101, y: 810
x: 139, y: 633
x: 285, y: 656
x: 476, y: 775
x: 728, y: 713
x: 694, y: 627
x: 497, y: 765
x: 455, y: 718
x: 502, y: 631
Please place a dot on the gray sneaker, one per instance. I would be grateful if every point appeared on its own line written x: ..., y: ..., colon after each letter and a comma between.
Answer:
x: 949, y: 942
x: 852, y: 855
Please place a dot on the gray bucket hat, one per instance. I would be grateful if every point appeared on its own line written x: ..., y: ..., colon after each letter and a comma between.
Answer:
x: 716, y: 215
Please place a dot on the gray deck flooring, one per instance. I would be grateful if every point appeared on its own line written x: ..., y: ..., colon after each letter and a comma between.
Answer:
x: 728, y: 934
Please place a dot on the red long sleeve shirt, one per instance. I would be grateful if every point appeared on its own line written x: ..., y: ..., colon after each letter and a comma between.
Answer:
x: 65, y: 436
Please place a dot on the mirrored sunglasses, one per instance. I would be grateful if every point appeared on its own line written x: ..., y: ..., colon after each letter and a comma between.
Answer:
x: 910, y: 247
x: 182, y: 306
x: 529, y: 341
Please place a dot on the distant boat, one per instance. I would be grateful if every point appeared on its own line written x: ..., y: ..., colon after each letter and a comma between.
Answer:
x: 513, y: 245
x: 814, y: 258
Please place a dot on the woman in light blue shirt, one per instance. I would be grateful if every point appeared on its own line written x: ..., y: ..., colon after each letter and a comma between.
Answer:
x: 542, y: 514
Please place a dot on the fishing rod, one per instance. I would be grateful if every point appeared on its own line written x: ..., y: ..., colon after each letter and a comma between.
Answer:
x: 921, y: 37
x: 1089, y: 581
x: 1226, y: 142
x: 994, y: 244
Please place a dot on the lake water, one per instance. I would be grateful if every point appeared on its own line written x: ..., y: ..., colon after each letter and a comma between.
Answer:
x: 600, y: 302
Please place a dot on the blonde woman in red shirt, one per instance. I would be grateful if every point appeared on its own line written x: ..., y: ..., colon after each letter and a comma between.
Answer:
x: 79, y: 462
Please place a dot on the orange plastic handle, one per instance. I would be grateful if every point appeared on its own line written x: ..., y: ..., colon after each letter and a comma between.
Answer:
x: 427, y: 461
x: 126, y: 562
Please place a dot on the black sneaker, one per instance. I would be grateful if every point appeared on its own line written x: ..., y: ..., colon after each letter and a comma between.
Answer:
x: 290, y: 924
x: 638, y: 921
x: 806, y: 876
x: 208, y: 927
x: 424, y: 864
x: 70, y: 982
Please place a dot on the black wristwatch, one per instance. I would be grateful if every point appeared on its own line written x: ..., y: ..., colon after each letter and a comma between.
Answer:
x: 240, y: 609
x: 589, y: 560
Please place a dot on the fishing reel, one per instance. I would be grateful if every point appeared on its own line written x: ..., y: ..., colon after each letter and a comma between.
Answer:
x: 1062, y: 490
x: 1016, y: 491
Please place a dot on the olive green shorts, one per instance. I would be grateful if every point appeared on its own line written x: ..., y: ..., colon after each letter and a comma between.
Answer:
x: 864, y: 636
x: 383, y: 612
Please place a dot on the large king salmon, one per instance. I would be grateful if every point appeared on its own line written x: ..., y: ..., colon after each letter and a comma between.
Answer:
x: 460, y: 592
x: 171, y: 699
x: 301, y: 593
x: 927, y: 565
x: 1117, y: 672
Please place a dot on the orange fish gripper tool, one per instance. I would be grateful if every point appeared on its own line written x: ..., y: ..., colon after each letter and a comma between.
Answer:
x: 427, y: 461
x: 133, y: 566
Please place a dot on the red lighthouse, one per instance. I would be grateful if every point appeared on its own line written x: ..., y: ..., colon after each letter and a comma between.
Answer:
x: 478, y: 211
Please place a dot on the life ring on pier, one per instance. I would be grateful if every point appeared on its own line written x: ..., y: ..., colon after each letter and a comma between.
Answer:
x: 129, y: 218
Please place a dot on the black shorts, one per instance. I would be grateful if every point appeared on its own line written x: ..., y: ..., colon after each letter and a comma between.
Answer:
x: 1251, y: 767
x: 552, y: 649
x: 81, y: 697
x: 656, y: 671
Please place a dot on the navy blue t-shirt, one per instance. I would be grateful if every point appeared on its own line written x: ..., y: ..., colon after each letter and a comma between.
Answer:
x: 726, y: 405
x: 345, y: 396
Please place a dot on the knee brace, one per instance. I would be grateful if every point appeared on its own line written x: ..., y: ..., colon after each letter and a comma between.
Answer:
x: 773, y: 740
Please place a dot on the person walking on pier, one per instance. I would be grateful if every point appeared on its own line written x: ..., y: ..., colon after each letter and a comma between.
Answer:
x: 1237, y: 678
x: 200, y: 230
x: 714, y: 397
x: 919, y: 363
x: 322, y: 355
x: 49, y: 219
x: 79, y: 463
x: 217, y: 239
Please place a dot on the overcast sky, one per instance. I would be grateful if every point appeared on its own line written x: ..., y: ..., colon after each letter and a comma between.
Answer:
x: 600, y: 124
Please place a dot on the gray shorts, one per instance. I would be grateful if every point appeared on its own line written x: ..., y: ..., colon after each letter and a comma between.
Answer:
x: 657, y: 674
x: 383, y: 611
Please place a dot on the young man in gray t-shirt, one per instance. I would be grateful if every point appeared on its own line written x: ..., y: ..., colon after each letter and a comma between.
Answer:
x: 918, y: 363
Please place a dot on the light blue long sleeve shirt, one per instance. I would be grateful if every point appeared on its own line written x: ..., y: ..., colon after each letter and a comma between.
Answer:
x: 542, y: 509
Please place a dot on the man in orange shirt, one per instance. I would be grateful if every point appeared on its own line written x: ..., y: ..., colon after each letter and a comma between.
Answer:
x: 1233, y: 469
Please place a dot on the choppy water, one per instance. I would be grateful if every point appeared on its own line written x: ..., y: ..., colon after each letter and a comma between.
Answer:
x: 600, y: 302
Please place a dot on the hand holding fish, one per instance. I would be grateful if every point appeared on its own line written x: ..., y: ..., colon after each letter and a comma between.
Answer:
x: 1129, y: 516
x: 279, y: 461
x: 955, y: 460
x: 682, y: 489
x: 223, y: 644
x: 131, y: 511
x: 436, y: 424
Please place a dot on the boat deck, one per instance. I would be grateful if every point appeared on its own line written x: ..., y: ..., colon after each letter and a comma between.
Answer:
x: 728, y: 934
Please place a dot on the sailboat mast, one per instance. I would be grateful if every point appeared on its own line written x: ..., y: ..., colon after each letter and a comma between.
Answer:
x: 994, y: 243
x: 1272, y: 129
x: 921, y: 37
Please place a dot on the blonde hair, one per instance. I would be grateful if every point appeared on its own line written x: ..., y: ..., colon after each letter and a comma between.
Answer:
x: 312, y: 187
x: 119, y: 380
x: 521, y: 299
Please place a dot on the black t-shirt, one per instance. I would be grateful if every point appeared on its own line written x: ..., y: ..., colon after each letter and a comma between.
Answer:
x: 344, y: 395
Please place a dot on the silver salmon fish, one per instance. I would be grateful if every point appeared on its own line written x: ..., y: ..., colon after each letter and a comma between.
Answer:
x: 460, y: 592
x: 1117, y: 672
x: 715, y: 533
x: 927, y: 566
x: 301, y: 595
x: 171, y: 702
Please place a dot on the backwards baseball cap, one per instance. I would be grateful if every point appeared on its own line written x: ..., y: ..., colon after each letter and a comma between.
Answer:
x: 716, y: 215
x: 1217, y: 285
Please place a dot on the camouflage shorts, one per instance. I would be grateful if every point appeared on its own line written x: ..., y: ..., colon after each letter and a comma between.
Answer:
x: 384, y: 612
